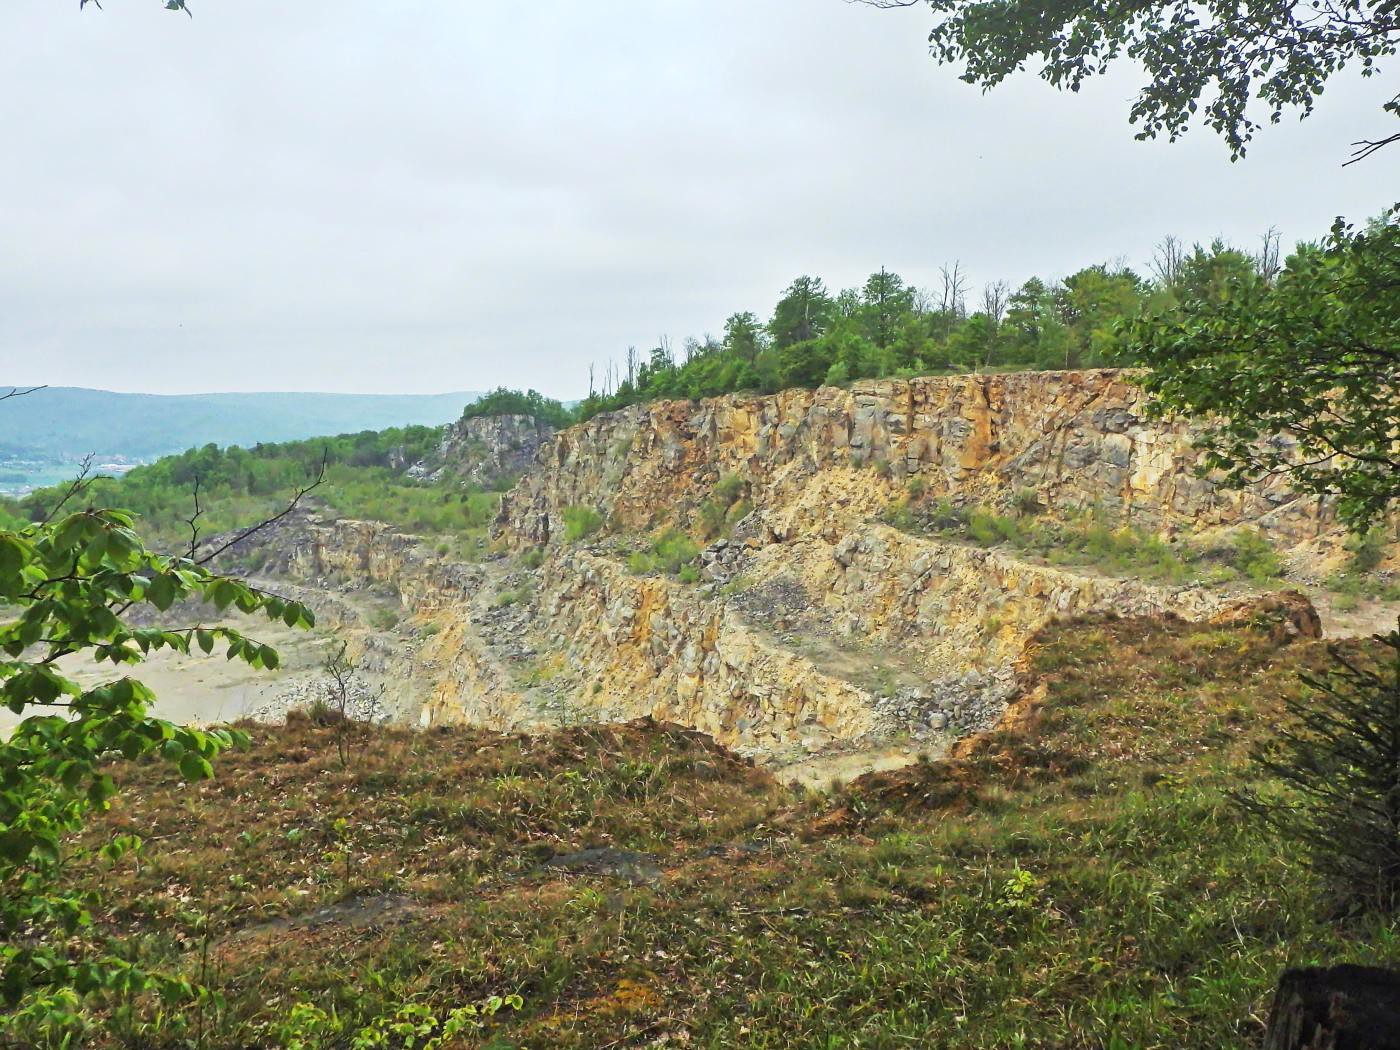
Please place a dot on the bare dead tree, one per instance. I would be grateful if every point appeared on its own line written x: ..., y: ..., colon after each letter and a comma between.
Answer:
x: 994, y: 299
x: 1167, y: 260
x: 590, y: 379
x: 921, y: 302
x: 1268, y: 262
x: 954, y: 290
x: 952, y: 306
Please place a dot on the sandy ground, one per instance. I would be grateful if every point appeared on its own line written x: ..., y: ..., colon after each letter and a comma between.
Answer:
x: 211, y: 689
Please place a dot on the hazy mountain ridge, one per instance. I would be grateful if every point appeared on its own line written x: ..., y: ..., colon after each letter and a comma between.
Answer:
x: 57, y: 426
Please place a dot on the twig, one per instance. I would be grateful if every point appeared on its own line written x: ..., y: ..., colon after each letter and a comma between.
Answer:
x: 193, y: 521
x: 301, y: 492
x: 1365, y: 147
x: 17, y: 392
x: 78, y: 484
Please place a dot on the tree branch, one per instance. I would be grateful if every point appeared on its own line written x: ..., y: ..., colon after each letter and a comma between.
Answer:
x: 253, y: 530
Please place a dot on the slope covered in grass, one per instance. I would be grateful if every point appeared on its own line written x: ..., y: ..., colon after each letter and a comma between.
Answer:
x: 1079, y: 879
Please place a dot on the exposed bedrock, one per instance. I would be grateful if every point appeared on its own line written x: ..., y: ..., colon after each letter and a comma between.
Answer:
x: 814, y: 627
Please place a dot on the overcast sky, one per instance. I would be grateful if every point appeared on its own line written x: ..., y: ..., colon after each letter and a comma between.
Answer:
x: 426, y: 196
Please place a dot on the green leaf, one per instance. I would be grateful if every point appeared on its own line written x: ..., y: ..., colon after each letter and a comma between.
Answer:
x: 161, y: 592
x: 194, y: 768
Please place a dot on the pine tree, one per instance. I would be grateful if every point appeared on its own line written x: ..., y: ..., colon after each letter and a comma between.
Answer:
x: 1339, y: 761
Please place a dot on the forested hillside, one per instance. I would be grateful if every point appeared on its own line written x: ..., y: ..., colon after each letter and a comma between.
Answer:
x: 363, y: 476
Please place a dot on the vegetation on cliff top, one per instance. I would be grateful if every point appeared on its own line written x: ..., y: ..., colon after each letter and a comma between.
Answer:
x: 888, y: 327
x: 1078, y: 878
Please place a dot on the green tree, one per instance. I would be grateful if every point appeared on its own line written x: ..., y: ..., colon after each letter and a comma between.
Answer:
x: 1213, y: 274
x: 1339, y: 760
x: 1302, y: 376
x: 802, y: 313
x: 885, y: 302
x: 743, y: 335
x: 506, y: 402
x: 73, y: 584
x: 1217, y: 60
x: 1095, y: 301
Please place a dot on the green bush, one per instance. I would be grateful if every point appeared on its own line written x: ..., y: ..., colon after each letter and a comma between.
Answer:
x: 1367, y: 549
x: 729, y: 488
x: 580, y: 523
x: 901, y: 516
x: 1253, y: 556
x: 673, y: 549
x: 671, y: 552
x: 533, y: 558
x: 384, y: 619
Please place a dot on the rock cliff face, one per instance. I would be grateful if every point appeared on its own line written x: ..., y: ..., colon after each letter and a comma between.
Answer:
x: 486, y: 450
x: 814, y: 628
x: 1074, y: 439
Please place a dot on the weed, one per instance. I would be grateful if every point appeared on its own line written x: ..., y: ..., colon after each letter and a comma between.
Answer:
x: 1254, y: 557
x: 580, y: 523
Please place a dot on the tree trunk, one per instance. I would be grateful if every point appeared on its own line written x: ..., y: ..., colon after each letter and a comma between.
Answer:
x: 1339, y: 1008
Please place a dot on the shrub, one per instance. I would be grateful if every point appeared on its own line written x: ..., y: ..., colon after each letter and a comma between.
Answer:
x: 673, y: 549
x: 713, y: 517
x: 1254, y: 556
x: 1367, y: 549
x: 901, y: 516
x: 837, y: 375
x: 720, y: 511
x: 1027, y: 501
x: 689, y: 574
x: 533, y: 558
x: 988, y: 529
x: 580, y: 523
x: 1339, y: 762
x: 916, y: 487
x: 384, y: 619
x: 728, y: 489
x: 671, y: 552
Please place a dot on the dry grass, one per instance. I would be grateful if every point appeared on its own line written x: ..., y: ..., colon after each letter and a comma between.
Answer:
x: 1077, y: 880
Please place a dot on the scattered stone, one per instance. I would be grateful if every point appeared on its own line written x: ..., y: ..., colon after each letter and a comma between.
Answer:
x: 606, y: 860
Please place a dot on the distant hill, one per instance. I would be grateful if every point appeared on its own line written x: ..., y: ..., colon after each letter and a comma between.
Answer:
x: 67, y: 421
x: 49, y: 430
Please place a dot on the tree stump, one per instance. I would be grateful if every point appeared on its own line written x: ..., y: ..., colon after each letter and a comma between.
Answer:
x: 1336, y: 1008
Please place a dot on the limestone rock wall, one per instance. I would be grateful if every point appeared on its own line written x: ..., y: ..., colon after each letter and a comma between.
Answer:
x: 1073, y: 438
x: 486, y: 450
